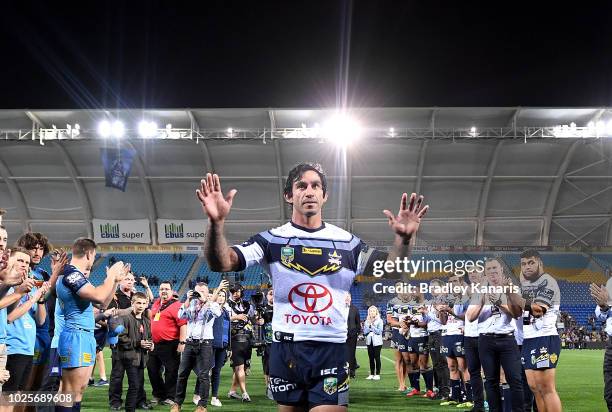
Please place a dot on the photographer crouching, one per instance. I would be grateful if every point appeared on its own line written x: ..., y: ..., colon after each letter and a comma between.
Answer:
x: 241, y: 315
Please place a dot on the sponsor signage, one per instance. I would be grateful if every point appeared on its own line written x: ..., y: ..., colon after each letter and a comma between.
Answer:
x: 181, y: 231
x: 121, y: 231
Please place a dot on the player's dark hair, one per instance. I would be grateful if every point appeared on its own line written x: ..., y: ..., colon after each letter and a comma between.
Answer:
x: 32, y: 239
x: 2, y: 227
x: 82, y: 246
x: 531, y: 253
x: 139, y: 295
x: 298, y: 171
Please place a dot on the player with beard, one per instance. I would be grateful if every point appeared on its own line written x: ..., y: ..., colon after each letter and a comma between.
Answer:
x: 305, y: 257
x: 38, y: 246
x: 541, y: 343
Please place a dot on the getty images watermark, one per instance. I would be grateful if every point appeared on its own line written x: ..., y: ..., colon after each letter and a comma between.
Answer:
x: 454, y: 268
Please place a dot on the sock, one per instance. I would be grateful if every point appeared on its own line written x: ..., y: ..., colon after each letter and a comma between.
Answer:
x: 103, y: 377
x: 455, y: 389
x: 414, y: 380
x: 428, y: 376
x: 468, y: 392
x: 76, y: 407
x: 59, y: 408
x: 506, y: 398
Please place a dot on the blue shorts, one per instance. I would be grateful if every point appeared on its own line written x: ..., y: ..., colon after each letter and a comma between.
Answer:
x: 394, y: 338
x: 402, y: 343
x: 418, y: 345
x: 452, y: 346
x: 54, y: 361
x: 41, y: 349
x: 541, y: 353
x: 77, y: 348
x: 309, y: 373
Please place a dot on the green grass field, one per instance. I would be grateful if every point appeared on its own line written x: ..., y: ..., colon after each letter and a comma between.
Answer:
x: 579, y: 382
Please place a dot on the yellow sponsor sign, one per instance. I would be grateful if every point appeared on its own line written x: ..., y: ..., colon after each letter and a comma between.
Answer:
x: 311, y: 251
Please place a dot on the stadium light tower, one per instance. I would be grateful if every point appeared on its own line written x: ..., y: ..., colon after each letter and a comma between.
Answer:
x: 341, y: 129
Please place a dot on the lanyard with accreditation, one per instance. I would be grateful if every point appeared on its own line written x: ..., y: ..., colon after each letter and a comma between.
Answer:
x: 162, y: 308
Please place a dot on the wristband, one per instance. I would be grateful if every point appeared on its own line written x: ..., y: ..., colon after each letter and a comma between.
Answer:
x: 182, y: 342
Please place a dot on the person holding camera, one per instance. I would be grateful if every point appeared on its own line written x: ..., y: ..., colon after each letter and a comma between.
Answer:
x: 264, y: 320
x: 200, y: 314
x: 241, y: 313
x: 133, y: 347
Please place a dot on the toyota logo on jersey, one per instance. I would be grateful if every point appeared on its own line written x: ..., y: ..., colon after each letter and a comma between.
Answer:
x: 310, y: 297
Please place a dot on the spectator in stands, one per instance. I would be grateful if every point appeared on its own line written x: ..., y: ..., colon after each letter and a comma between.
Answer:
x: 372, y: 329
x: 354, y: 327
x: 169, y: 334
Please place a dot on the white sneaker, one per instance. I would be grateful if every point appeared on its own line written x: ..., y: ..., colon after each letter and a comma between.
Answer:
x: 215, y: 402
x: 246, y: 397
x: 233, y: 395
x: 196, y: 399
x: 370, y: 377
x: 376, y: 377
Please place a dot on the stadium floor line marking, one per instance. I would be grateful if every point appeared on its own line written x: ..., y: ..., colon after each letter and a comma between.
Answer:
x: 390, y: 360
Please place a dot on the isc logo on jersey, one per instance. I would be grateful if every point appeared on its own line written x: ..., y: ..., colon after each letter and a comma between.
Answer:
x: 309, y: 299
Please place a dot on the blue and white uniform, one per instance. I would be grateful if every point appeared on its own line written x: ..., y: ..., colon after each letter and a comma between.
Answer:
x: 43, y: 339
x: 399, y: 308
x: 77, y: 345
x: 541, y: 342
x: 311, y: 271
x: 22, y: 331
x: 452, y: 333
x: 418, y: 342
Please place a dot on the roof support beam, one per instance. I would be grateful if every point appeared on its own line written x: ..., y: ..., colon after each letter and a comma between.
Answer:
x: 484, y: 196
x: 576, y: 238
x: 420, y: 167
x: 598, y: 115
x: 513, y: 120
x: 279, y: 169
x: 148, y: 192
x: 79, y: 186
x: 551, y: 202
x: 432, y: 122
x: 585, y: 199
x: 17, y: 195
x: 196, y: 126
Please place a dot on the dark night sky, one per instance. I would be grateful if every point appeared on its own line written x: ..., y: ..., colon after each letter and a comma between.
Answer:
x: 94, y: 54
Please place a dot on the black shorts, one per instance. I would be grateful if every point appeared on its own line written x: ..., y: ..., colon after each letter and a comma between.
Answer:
x: 241, y: 354
x: 265, y: 359
x: 19, y: 366
x: 309, y: 373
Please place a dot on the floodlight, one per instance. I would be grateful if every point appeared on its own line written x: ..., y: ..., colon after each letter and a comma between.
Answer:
x: 342, y: 129
x: 147, y: 129
x: 117, y: 129
x: 104, y: 128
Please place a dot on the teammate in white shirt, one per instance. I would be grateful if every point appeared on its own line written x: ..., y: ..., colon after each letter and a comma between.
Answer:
x: 496, y: 344
x: 312, y: 265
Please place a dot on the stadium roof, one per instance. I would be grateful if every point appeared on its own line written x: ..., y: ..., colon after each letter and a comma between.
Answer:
x: 510, y: 182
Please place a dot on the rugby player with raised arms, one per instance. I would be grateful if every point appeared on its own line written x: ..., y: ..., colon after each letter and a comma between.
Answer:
x: 312, y: 264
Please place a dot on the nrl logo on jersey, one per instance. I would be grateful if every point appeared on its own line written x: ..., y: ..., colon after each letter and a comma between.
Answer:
x: 311, y: 268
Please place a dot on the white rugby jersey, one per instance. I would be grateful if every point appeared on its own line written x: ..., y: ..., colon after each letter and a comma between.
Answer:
x: 311, y: 271
x: 454, y: 324
x: 543, y: 290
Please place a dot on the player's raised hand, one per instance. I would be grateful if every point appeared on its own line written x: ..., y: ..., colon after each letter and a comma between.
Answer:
x: 408, y: 219
x: 599, y: 294
x: 117, y: 271
x: 214, y: 204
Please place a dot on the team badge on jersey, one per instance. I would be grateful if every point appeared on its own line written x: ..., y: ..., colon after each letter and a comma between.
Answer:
x: 334, y: 258
x: 287, y: 255
x: 330, y: 385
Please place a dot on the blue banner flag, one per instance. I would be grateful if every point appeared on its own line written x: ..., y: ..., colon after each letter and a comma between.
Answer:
x: 117, y: 166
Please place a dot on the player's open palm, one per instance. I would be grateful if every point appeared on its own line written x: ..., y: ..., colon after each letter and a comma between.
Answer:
x: 214, y: 204
x: 408, y: 219
x: 117, y: 271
